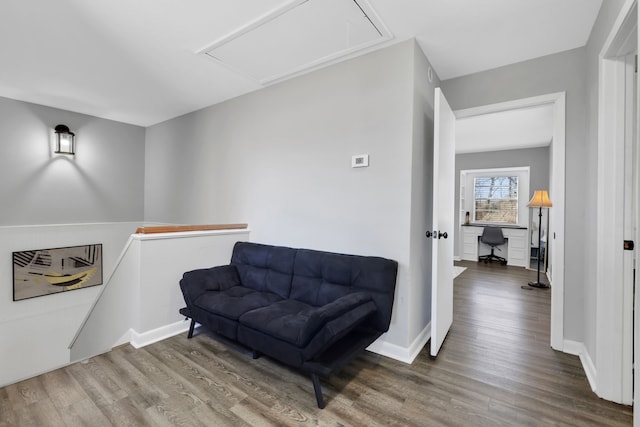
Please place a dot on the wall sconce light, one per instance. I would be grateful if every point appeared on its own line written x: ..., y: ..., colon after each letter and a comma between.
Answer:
x: 65, y: 140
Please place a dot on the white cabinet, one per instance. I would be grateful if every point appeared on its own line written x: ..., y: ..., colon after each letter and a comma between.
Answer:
x: 516, y: 246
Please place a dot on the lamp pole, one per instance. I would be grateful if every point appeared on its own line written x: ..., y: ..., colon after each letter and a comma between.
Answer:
x: 537, y: 283
x: 540, y: 199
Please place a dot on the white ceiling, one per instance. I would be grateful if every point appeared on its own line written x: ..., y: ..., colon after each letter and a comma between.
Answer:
x: 138, y: 62
x: 329, y: 29
x: 512, y: 129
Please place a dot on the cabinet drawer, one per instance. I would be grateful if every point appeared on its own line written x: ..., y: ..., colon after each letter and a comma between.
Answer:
x: 470, y: 239
x: 516, y: 254
x: 516, y: 243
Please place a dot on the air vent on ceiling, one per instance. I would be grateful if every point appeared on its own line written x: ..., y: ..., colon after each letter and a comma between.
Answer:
x: 299, y: 36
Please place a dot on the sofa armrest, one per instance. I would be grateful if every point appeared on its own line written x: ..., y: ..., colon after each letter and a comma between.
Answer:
x: 322, y: 315
x: 336, y: 329
x: 197, y: 282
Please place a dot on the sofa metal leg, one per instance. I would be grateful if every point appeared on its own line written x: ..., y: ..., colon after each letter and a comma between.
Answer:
x: 318, y: 390
x: 191, y: 327
x: 256, y: 354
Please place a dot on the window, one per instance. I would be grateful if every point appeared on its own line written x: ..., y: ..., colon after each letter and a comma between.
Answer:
x: 495, y: 196
x: 495, y: 199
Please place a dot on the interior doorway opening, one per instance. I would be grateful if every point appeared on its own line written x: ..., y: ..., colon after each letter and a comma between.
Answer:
x: 555, y: 242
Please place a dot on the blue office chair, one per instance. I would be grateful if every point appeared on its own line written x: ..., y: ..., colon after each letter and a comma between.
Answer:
x: 493, y: 237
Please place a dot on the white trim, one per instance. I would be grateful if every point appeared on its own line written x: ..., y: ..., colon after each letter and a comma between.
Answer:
x: 510, y: 105
x: 578, y: 349
x: 557, y: 192
x: 610, y: 311
x: 402, y: 354
x: 557, y: 222
x: 457, y: 258
x: 139, y: 340
x: 497, y: 171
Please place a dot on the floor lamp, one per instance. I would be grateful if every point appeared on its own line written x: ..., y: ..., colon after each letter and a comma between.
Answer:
x: 540, y: 200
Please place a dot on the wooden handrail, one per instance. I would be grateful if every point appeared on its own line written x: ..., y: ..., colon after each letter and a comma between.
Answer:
x: 182, y: 228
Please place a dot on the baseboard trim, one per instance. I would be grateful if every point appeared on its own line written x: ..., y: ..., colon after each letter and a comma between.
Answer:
x: 124, y: 339
x: 578, y: 349
x: 387, y: 349
x: 402, y: 354
x: 457, y: 258
x: 139, y: 340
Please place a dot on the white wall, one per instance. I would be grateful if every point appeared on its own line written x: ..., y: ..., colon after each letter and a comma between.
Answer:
x: 35, y: 333
x: 279, y: 159
x: 144, y: 290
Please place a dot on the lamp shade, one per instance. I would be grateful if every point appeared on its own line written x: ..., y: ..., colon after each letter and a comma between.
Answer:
x: 540, y: 199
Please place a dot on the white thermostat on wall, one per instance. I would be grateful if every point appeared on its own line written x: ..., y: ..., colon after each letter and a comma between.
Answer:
x: 360, y: 161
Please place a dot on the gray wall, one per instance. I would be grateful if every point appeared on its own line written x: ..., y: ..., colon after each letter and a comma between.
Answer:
x: 576, y: 73
x: 104, y: 182
x: 536, y: 158
x: 555, y: 73
x: 421, y: 190
x: 279, y: 159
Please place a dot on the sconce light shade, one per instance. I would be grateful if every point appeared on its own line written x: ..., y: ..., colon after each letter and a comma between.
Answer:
x: 540, y: 199
x: 65, y: 140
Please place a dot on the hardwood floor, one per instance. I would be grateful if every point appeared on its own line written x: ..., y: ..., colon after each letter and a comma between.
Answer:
x: 495, y: 369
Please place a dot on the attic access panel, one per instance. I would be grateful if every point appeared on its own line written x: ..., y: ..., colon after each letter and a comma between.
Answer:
x: 299, y: 36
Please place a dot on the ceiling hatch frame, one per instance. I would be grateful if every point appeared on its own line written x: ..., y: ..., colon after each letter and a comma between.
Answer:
x: 371, y: 24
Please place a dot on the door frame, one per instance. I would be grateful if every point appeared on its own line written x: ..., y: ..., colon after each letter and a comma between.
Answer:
x: 614, y: 319
x: 557, y: 195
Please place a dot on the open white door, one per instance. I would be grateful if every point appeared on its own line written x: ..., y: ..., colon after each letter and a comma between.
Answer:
x: 443, y: 215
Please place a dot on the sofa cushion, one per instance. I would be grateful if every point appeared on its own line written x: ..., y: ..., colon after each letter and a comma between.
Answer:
x: 234, y: 302
x: 321, y: 277
x: 264, y: 268
x: 297, y: 322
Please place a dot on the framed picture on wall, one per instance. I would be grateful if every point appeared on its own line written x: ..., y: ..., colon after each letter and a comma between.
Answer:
x: 41, y: 272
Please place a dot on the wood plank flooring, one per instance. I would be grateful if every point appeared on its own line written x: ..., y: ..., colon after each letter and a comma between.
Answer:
x: 495, y: 369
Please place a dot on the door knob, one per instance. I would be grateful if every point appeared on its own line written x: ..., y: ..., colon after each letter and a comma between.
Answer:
x: 428, y: 234
x: 441, y: 234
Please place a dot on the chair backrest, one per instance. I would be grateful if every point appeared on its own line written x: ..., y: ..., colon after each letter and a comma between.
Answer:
x: 492, y: 236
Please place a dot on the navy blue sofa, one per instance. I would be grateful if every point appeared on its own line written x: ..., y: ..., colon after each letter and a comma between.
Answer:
x: 313, y: 310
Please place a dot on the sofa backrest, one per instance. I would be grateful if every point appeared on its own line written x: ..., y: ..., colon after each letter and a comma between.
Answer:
x: 263, y: 267
x: 317, y: 277
x: 321, y: 277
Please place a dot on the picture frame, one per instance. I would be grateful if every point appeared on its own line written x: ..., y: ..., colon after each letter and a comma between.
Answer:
x: 41, y: 272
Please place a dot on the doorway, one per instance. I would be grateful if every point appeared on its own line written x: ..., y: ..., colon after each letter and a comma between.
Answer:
x: 555, y: 241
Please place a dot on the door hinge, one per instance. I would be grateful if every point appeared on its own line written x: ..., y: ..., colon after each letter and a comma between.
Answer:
x: 629, y: 245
